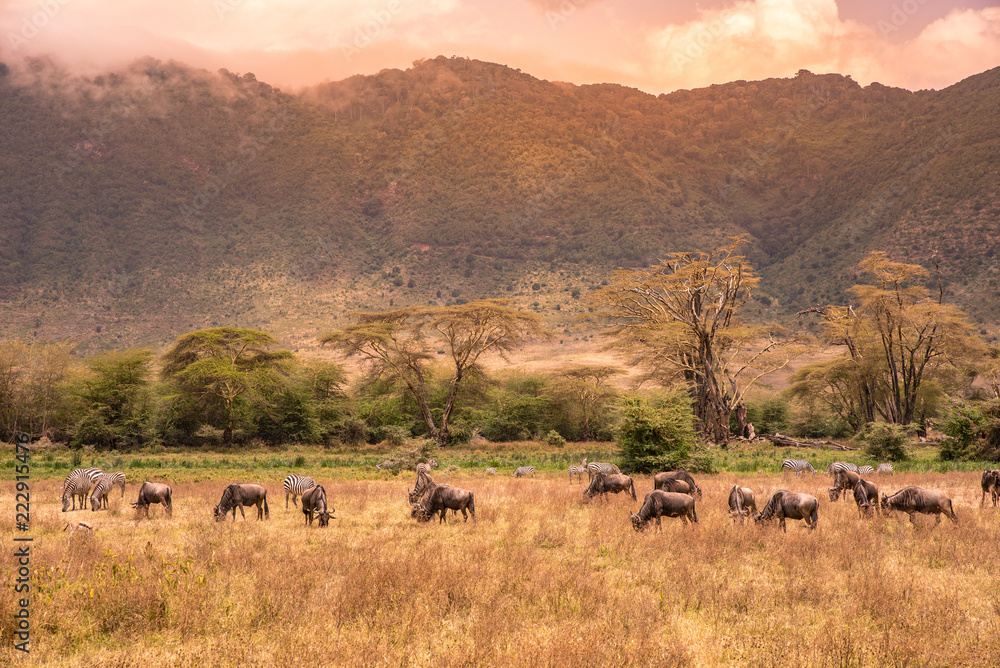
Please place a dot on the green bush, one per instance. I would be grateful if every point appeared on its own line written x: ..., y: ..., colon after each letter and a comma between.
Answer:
x: 963, y: 425
x: 885, y: 442
x: 658, y: 433
x: 554, y: 439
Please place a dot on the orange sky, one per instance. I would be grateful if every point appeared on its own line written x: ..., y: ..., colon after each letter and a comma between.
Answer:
x: 656, y: 46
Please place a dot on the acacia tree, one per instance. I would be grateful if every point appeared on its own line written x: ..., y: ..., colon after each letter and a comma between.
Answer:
x: 224, y: 364
x: 32, y: 393
x: 399, y: 344
x: 897, y: 337
x: 116, y: 398
x: 586, y: 387
x: 678, y: 318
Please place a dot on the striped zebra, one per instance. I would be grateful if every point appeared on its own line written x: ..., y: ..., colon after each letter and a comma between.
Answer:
x: 295, y: 485
x: 797, y: 466
x: 103, y: 486
x: 78, y: 483
x: 423, y: 484
x: 884, y: 468
x: 523, y: 471
x: 577, y: 471
x: 832, y: 469
x: 865, y: 470
x: 593, y: 468
x: 489, y: 471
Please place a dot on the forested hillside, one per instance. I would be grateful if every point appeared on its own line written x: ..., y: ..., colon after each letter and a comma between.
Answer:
x: 160, y: 199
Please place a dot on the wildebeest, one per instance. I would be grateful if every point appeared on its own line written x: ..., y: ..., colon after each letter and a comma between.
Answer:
x: 843, y: 481
x: 675, y: 485
x: 912, y: 500
x: 442, y: 498
x: 679, y: 474
x: 238, y: 495
x: 866, y: 496
x: 741, y: 503
x: 794, y: 505
x: 991, y: 486
x: 154, y: 492
x: 659, y: 504
x: 314, y: 501
x: 614, y: 483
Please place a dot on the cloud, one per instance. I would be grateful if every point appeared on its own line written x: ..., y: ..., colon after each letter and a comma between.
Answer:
x: 776, y: 38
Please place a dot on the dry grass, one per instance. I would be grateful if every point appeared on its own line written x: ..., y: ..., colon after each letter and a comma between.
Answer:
x: 543, y: 578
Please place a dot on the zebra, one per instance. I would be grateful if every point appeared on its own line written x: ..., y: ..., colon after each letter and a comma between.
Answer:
x: 593, y: 468
x: 295, y: 485
x: 489, y: 471
x: 103, y: 486
x: 424, y: 483
x: 865, y: 470
x: 577, y: 471
x: 797, y: 466
x: 523, y: 471
x: 832, y: 469
x: 884, y: 468
x: 78, y: 483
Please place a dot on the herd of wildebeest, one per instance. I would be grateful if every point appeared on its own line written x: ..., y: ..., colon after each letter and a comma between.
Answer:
x: 674, y: 494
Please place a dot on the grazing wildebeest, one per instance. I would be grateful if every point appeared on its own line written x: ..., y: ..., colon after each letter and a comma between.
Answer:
x: 679, y: 474
x: 842, y: 483
x: 659, y: 504
x: 991, y: 486
x: 675, y: 485
x: 442, y: 498
x: 741, y: 503
x: 794, y: 505
x: 912, y: 500
x: 154, y: 492
x: 614, y: 483
x: 866, y: 496
x: 238, y: 495
x: 314, y: 501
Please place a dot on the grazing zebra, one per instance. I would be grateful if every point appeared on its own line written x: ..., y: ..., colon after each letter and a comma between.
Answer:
x: 577, y: 471
x: 423, y: 484
x: 884, y: 468
x: 523, y: 471
x: 385, y: 464
x: 489, y: 471
x: 865, y: 470
x: 832, y: 469
x: 797, y: 466
x: 593, y: 468
x: 78, y: 483
x: 295, y: 486
x: 103, y: 486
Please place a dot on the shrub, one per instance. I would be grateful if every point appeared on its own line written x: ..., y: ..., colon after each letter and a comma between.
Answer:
x: 353, y: 431
x: 554, y: 439
x: 963, y: 426
x: 885, y: 442
x: 658, y: 433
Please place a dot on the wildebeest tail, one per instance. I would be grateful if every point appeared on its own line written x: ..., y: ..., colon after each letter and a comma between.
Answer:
x: 472, y: 505
x: 694, y: 514
x: 815, y: 515
x: 631, y: 488
x: 267, y: 512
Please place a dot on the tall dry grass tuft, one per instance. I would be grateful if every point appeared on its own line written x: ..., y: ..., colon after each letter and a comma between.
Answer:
x: 544, y: 577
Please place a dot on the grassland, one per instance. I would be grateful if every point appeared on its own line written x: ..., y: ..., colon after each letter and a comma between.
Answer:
x: 542, y: 578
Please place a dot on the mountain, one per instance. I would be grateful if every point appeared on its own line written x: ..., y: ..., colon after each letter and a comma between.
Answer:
x: 151, y: 201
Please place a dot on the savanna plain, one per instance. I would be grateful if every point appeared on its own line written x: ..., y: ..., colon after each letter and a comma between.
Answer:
x: 543, y: 577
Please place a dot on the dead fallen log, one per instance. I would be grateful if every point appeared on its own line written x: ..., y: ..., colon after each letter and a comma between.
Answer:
x: 788, y: 442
